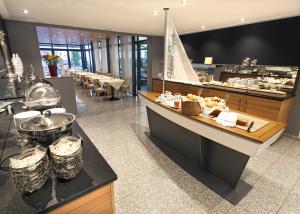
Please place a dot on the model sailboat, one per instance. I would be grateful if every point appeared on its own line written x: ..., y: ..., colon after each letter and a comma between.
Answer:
x: 177, y: 66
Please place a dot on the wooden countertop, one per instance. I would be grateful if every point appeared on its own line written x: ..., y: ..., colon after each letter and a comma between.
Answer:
x: 260, y: 136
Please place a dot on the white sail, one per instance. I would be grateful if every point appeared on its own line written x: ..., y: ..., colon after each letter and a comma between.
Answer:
x: 178, y: 66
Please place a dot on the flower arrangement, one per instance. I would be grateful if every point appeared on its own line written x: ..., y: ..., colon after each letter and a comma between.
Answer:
x: 51, y: 59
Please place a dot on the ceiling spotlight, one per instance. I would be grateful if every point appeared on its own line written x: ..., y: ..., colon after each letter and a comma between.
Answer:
x: 155, y: 12
x: 242, y: 19
x: 81, y: 34
x: 184, y: 2
x: 203, y: 27
x: 54, y: 36
x: 26, y: 11
x: 59, y: 32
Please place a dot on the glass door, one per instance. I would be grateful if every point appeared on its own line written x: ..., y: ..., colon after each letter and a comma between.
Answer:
x: 141, y: 48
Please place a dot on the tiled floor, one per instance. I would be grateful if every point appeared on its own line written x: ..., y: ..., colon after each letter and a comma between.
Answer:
x: 149, y: 182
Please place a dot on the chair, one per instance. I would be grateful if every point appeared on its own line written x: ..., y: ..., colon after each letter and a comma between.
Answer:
x: 84, y: 82
x: 77, y: 80
x: 98, y: 88
x: 107, y: 90
x: 125, y: 87
x: 110, y: 75
x: 90, y: 85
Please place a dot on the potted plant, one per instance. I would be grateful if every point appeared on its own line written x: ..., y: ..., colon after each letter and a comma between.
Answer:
x: 52, y: 61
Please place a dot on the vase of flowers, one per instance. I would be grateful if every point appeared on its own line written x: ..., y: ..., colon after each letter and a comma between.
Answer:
x: 52, y: 61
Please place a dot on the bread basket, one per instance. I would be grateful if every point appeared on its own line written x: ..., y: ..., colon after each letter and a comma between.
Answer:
x: 190, y: 108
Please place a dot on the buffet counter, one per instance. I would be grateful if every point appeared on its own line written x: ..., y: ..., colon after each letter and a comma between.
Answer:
x: 91, y: 190
x: 274, y: 108
x: 219, y: 150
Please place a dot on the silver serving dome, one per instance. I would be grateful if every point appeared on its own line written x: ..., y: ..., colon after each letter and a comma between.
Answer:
x: 41, y: 95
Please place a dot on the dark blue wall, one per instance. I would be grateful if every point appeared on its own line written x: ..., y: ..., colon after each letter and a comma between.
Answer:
x: 272, y: 43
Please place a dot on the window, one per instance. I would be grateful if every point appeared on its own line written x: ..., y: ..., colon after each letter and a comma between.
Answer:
x: 59, y: 46
x: 44, y: 64
x: 73, y: 56
x: 120, y: 58
x: 75, y: 59
x: 64, y: 56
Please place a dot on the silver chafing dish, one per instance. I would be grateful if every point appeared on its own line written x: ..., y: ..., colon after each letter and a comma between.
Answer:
x: 41, y: 96
x: 45, y: 129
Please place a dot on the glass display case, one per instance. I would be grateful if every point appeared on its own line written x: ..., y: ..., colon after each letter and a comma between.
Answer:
x: 279, y: 81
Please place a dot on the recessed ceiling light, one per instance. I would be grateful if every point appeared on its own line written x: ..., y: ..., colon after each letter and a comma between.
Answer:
x: 155, y: 12
x: 81, y: 34
x: 26, y: 11
x: 242, y: 19
x: 54, y: 36
x: 59, y: 32
x: 184, y: 2
x: 203, y: 27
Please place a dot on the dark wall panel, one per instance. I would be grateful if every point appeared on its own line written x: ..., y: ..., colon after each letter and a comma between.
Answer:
x: 23, y: 40
x: 272, y: 43
x: 3, y: 28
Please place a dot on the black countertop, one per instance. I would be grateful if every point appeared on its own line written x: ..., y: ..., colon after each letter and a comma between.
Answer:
x: 95, y: 174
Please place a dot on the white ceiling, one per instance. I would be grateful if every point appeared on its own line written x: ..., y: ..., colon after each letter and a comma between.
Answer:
x: 136, y: 16
x: 69, y: 36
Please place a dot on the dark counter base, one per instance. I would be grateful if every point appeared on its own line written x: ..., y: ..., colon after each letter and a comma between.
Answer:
x: 217, y: 166
x: 95, y: 174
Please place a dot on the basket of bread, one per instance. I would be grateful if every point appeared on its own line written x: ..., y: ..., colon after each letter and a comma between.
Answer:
x: 212, y: 106
x: 190, y: 105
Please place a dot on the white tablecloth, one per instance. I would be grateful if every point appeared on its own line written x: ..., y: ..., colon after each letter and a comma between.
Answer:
x: 115, y: 83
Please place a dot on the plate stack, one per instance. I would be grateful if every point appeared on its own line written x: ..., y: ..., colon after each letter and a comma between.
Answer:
x: 66, y: 154
x: 30, y: 169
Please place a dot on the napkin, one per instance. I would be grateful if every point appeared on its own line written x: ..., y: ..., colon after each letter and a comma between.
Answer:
x: 227, y: 119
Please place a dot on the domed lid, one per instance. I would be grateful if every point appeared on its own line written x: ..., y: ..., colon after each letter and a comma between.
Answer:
x: 41, y: 91
x: 27, y: 158
x: 44, y: 123
x: 65, y: 146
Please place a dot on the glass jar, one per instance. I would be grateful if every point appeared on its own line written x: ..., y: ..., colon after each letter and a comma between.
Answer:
x: 177, y: 100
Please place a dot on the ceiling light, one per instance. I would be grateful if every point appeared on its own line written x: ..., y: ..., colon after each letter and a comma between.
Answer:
x: 54, y: 36
x: 242, y: 19
x: 155, y: 12
x: 184, y: 2
x: 203, y: 27
x: 58, y: 32
x: 81, y: 34
x: 26, y: 11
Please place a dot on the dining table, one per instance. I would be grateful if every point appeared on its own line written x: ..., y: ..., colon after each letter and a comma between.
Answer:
x: 114, y: 83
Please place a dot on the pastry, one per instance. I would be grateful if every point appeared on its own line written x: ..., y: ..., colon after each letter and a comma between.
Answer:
x: 241, y: 122
x: 290, y: 83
